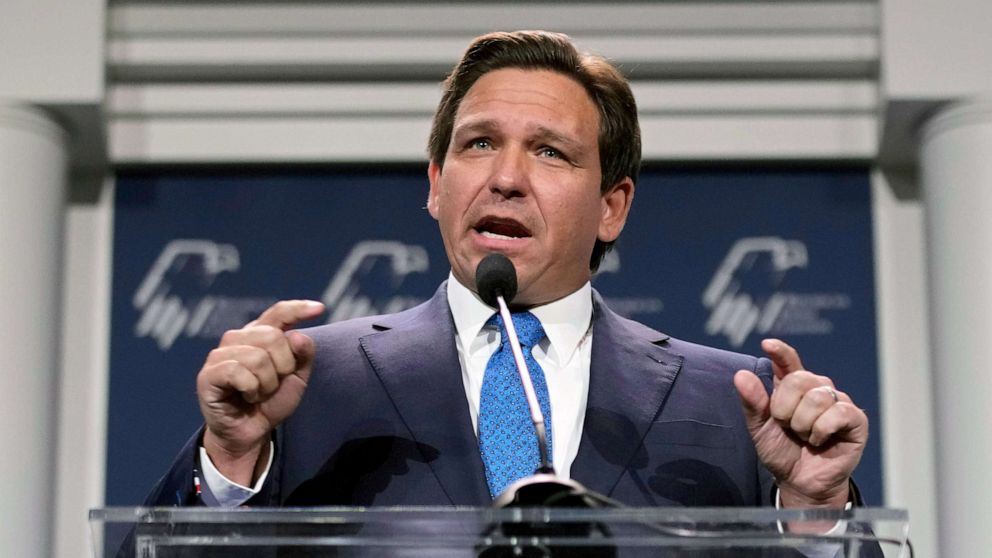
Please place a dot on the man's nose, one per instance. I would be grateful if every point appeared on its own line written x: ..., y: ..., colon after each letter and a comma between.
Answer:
x: 511, y: 173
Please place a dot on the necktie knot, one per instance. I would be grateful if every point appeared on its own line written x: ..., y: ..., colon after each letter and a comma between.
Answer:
x: 529, y: 328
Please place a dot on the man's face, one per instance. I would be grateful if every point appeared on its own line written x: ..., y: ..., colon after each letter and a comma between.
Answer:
x: 522, y: 177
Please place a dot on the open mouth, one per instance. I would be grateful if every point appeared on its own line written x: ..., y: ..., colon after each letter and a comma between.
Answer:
x: 501, y: 229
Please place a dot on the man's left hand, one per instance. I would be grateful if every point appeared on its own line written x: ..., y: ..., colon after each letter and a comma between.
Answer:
x: 808, y: 434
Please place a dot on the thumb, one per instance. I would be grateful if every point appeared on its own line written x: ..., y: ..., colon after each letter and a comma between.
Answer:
x: 755, y: 402
x: 303, y: 349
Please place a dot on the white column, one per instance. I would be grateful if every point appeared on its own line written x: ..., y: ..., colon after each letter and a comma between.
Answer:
x: 32, y: 190
x: 956, y: 172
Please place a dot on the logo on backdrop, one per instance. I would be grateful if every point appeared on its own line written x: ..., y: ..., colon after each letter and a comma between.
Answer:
x: 173, y: 299
x: 370, y: 280
x: 744, y: 296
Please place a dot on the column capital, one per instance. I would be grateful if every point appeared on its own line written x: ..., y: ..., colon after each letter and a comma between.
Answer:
x: 25, y: 116
x: 971, y: 111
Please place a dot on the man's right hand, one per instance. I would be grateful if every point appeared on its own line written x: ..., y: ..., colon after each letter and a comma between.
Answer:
x: 252, y: 382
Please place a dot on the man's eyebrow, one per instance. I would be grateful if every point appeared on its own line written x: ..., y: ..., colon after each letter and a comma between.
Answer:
x: 477, y: 126
x: 553, y: 136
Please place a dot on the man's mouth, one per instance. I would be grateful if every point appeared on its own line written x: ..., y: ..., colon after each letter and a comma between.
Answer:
x: 501, y: 229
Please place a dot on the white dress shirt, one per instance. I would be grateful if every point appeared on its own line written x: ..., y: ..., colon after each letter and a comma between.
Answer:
x: 564, y: 356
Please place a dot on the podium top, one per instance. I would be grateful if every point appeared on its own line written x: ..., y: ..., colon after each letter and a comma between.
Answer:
x: 454, y: 531
x: 730, y: 515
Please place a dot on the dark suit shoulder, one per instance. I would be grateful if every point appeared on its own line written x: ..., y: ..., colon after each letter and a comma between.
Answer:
x: 695, y: 356
x: 331, y: 335
x: 350, y: 329
x: 711, y: 358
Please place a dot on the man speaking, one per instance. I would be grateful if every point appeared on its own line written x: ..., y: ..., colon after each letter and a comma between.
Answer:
x: 534, y: 154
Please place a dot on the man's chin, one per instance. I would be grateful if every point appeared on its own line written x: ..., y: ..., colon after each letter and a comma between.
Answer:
x: 534, y: 287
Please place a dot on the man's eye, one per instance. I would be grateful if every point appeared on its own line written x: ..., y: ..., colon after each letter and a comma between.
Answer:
x: 551, y: 153
x: 480, y: 144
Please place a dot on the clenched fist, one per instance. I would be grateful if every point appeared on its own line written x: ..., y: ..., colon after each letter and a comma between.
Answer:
x: 250, y: 383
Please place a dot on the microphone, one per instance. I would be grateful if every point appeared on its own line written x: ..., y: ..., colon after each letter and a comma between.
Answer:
x: 496, y: 277
x: 496, y: 282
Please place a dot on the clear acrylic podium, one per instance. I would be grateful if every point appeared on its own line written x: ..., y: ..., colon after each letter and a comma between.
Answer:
x: 489, y: 533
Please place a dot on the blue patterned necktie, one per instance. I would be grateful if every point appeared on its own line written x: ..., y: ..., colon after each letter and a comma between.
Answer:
x: 507, y: 437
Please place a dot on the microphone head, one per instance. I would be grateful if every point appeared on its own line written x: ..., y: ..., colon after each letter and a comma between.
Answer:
x: 496, y: 276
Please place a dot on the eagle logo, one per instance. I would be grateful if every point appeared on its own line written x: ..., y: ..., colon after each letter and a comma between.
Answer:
x: 743, y: 297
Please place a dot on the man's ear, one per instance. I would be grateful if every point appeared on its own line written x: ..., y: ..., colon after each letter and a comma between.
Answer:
x: 616, y: 206
x: 434, y: 176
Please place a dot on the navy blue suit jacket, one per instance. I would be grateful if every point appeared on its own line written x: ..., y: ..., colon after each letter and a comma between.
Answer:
x: 384, y: 421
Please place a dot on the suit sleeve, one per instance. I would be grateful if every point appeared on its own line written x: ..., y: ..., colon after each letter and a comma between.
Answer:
x: 183, y: 484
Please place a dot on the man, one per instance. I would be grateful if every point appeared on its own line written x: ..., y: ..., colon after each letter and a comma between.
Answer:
x: 534, y: 154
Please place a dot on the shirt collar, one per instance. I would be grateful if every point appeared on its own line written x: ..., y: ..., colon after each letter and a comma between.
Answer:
x: 565, y: 320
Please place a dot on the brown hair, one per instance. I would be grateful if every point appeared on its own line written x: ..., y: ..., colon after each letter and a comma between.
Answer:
x: 619, y: 132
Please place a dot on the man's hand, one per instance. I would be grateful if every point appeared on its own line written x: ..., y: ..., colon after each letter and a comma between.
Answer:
x: 808, y: 434
x: 252, y: 382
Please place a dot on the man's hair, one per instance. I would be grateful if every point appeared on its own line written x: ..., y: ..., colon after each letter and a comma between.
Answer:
x: 619, y: 132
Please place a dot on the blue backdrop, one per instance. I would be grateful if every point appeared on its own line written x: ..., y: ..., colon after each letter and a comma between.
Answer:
x: 723, y: 258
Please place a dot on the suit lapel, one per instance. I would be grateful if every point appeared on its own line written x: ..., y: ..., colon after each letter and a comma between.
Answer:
x: 630, y: 376
x: 415, y: 357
